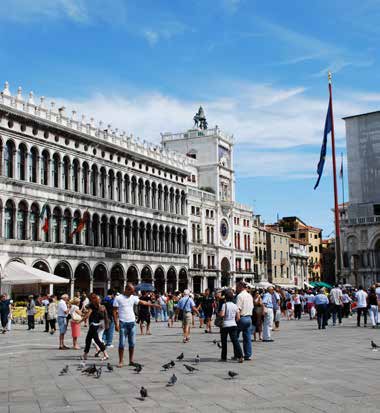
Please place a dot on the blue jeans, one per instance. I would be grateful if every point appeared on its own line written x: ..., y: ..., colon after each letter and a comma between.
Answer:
x: 164, y: 313
x: 108, y: 334
x: 127, y: 330
x: 245, y: 326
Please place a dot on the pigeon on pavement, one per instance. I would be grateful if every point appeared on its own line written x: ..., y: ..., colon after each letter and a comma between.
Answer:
x: 172, y: 381
x: 98, y: 373
x: 166, y: 366
x: 191, y: 369
x: 109, y: 367
x: 214, y: 341
x: 180, y: 357
x: 197, y: 359
x: 65, y: 370
x: 232, y: 374
x: 143, y: 392
x: 374, y: 346
x: 90, y: 370
x: 138, y: 368
x: 172, y: 364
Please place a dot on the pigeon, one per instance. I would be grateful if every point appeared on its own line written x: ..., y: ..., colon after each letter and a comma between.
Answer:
x: 98, y: 373
x: 191, y: 369
x: 90, y: 370
x: 232, y: 374
x: 138, y: 365
x: 109, y: 367
x: 219, y: 345
x: 64, y: 371
x: 172, y: 364
x: 374, y: 346
x: 180, y: 357
x: 138, y: 368
x: 214, y: 341
x: 166, y: 366
x: 197, y: 359
x: 172, y: 381
x: 143, y: 392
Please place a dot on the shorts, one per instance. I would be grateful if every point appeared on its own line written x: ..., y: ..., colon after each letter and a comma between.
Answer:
x: 62, y: 325
x: 208, y: 315
x: 127, y: 329
x: 277, y: 315
x: 187, y: 319
x: 144, y: 318
x: 170, y: 314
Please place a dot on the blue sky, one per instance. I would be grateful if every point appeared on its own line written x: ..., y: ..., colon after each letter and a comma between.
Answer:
x: 258, y: 68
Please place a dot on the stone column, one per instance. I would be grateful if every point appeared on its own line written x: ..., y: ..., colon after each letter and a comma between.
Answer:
x: 91, y: 284
x: 72, y: 288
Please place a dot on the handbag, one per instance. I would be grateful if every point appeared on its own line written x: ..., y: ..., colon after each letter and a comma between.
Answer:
x: 77, y: 318
x: 220, y: 320
x: 180, y: 311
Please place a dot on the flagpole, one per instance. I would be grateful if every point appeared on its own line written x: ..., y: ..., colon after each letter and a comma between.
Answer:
x: 342, y: 182
x: 338, y: 265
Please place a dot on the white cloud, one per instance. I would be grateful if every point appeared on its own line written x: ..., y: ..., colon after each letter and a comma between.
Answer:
x: 164, y: 31
x: 278, y: 131
x: 151, y: 36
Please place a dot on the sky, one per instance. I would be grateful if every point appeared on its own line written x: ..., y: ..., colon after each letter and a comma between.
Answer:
x: 258, y: 68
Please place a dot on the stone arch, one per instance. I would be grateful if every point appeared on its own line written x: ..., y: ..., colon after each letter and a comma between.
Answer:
x: 159, y: 279
x: 99, y: 279
x: 22, y: 220
x: 63, y: 269
x: 82, y: 277
x: 22, y: 161
x: 42, y: 265
x: 146, y: 275
x: 183, y: 281
x: 9, y: 219
x: 34, y: 220
x: 171, y: 279
x: 225, y: 270
x: 117, y: 277
x: 132, y: 274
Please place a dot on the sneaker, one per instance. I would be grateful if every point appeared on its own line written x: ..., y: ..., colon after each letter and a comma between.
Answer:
x: 268, y: 341
x: 110, y: 346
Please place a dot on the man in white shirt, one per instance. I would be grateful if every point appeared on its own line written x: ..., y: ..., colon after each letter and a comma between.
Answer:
x: 244, y: 302
x: 336, y: 304
x: 361, y: 308
x: 125, y: 320
x: 377, y: 290
x: 45, y: 303
x: 62, y: 311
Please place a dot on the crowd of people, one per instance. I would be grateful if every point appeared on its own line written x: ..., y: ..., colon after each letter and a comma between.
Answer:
x: 250, y: 313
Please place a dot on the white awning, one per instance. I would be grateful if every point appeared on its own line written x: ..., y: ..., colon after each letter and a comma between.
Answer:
x: 264, y: 284
x: 292, y: 286
x: 308, y: 285
x: 18, y: 273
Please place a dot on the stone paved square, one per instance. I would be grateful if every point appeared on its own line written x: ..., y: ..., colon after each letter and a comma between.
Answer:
x: 304, y: 370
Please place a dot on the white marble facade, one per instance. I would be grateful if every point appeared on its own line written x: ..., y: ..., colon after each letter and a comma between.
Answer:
x: 150, y: 213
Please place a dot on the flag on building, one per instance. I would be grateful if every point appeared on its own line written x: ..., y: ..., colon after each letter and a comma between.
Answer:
x: 81, y: 224
x: 322, y: 158
x: 44, y: 219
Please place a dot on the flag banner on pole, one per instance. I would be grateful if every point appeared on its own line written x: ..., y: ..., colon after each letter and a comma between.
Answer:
x: 44, y: 219
x: 81, y: 224
x: 322, y: 158
x: 341, y: 169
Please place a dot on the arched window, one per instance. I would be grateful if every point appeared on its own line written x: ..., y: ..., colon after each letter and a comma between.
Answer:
x: 155, y: 238
x: 85, y: 172
x: 104, y: 231
x: 140, y: 192
x: 120, y: 233
x: 34, y: 222
x: 183, y: 203
x: 167, y: 239
x: 177, y: 202
x: 9, y: 217
x: 119, y: 187
x: 148, y: 237
x: 9, y: 152
x: 103, y: 182
x: 66, y: 173
x: 94, y: 180
x: 184, y: 240
x: 166, y: 199
x: 95, y: 230
x: 159, y: 198
x: 67, y: 227
x: 128, y: 234
x: 154, y: 193
x: 76, y: 220
x: 161, y: 239
x: 75, y: 177
x: 45, y: 159
x: 55, y: 170
x: 56, y: 225
x: 173, y: 248
x: 142, y: 236
x: 111, y: 184
x: 127, y: 188
x: 87, y: 228
x: 133, y: 190
x: 21, y: 162
x: 112, y: 233
x: 22, y: 220
x: 135, y: 235
x: 171, y: 200
x: 147, y: 194
x: 33, y: 165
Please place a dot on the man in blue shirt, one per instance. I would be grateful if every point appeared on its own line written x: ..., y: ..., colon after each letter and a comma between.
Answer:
x: 186, y: 304
x: 321, y: 303
x: 268, y: 315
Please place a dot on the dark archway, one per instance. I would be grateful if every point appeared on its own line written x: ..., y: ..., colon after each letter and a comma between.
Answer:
x: 132, y: 275
x: 117, y: 278
x: 40, y: 265
x: 159, y: 280
x: 62, y: 269
x: 183, y: 282
x: 100, y: 280
x: 146, y: 275
x: 197, y: 283
x: 82, y: 278
x: 225, y: 269
x: 171, y: 280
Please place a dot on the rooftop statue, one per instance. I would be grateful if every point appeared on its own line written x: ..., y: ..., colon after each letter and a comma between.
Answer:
x: 200, y: 119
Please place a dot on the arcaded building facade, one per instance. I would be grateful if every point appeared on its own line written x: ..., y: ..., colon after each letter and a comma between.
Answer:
x: 130, y: 196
